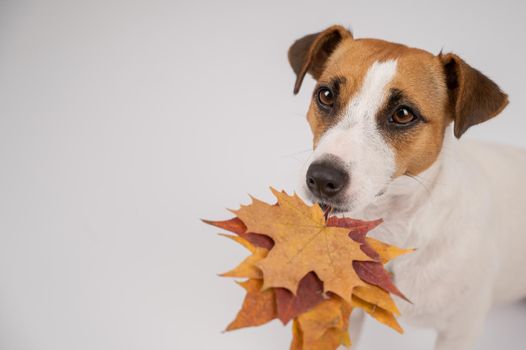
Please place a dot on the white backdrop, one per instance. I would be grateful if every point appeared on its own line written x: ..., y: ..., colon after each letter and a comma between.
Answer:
x: 124, y: 122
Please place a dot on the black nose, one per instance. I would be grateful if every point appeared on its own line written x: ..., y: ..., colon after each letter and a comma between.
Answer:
x: 326, y: 179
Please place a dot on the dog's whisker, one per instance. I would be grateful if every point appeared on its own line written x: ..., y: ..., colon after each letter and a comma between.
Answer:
x: 420, y: 182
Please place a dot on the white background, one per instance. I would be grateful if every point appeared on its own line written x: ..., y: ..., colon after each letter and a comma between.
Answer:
x: 124, y: 122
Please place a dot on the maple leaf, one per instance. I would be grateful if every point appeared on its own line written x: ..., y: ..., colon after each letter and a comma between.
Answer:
x: 374, y: 273
x: 247, y: 268
x: 310, y: 294
x: 310, y: 290
x: 370, y: 271
x: 324, y: 327
x: 385, y: 251
x: 291, y: 244
x: 378, y: 313
x: 235, y: 225
x: 303, y: 243
x: 259, y: 307
x: 358, y: 229
x: 376, y: 296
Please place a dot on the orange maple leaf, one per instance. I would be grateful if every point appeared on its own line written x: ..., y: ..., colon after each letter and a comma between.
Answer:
x: 325, y: 327
x: 303, y: 243
x: 259, y: 307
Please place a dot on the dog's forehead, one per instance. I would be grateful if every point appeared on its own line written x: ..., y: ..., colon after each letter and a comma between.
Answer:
x: 353, y: 58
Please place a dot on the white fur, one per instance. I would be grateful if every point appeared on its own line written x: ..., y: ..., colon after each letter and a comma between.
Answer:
x: 357, y: 141
x: 464, y: 215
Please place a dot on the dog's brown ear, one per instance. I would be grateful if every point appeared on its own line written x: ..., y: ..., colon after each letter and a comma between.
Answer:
x: 310, y: 53
x: 473, y: 97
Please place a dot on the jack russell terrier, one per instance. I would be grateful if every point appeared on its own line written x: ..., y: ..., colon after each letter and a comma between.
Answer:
x: 383, y: 147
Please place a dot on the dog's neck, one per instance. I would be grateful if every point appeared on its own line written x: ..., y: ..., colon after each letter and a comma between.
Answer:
x: 408, y: 199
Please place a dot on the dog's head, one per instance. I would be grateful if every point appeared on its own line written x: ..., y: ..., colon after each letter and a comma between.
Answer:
x: 380, y: 110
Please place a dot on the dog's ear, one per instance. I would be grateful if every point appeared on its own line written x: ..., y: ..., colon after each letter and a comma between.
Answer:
x: 310, y: 53
x: 473, y: 97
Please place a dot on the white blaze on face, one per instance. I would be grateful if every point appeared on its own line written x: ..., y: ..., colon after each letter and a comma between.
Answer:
x: 357, y: 141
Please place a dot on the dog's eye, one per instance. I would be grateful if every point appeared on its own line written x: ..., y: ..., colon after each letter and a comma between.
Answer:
x: 325, y: 97
x: 402, y: 116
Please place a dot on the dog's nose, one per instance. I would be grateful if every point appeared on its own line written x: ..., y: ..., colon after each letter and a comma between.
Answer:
x: 326, y: 179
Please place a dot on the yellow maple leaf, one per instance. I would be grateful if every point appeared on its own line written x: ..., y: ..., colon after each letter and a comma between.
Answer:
x: 376, y: 296
x: 378, y: 313
x: 248, y: 267
x: 325, y: 327
x: 385, y: 251
x: 303, y: 243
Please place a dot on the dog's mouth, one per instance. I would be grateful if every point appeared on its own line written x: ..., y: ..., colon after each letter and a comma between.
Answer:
x: 328, y: 206
x: 330, y: 210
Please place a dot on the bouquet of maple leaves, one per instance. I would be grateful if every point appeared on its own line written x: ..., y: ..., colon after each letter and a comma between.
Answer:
x: 311, y: 268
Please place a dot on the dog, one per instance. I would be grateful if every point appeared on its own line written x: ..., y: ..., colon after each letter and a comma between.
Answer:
x: 387, y: 121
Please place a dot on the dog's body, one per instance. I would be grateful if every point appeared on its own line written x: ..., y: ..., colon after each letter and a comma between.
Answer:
x: 465, y: 216
x: 381, y: 116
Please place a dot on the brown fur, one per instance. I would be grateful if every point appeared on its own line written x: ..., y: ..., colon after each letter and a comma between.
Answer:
x: 419, y: 75
x: 310, y: 53
x: 474, y: 98
x: 444, y: 87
